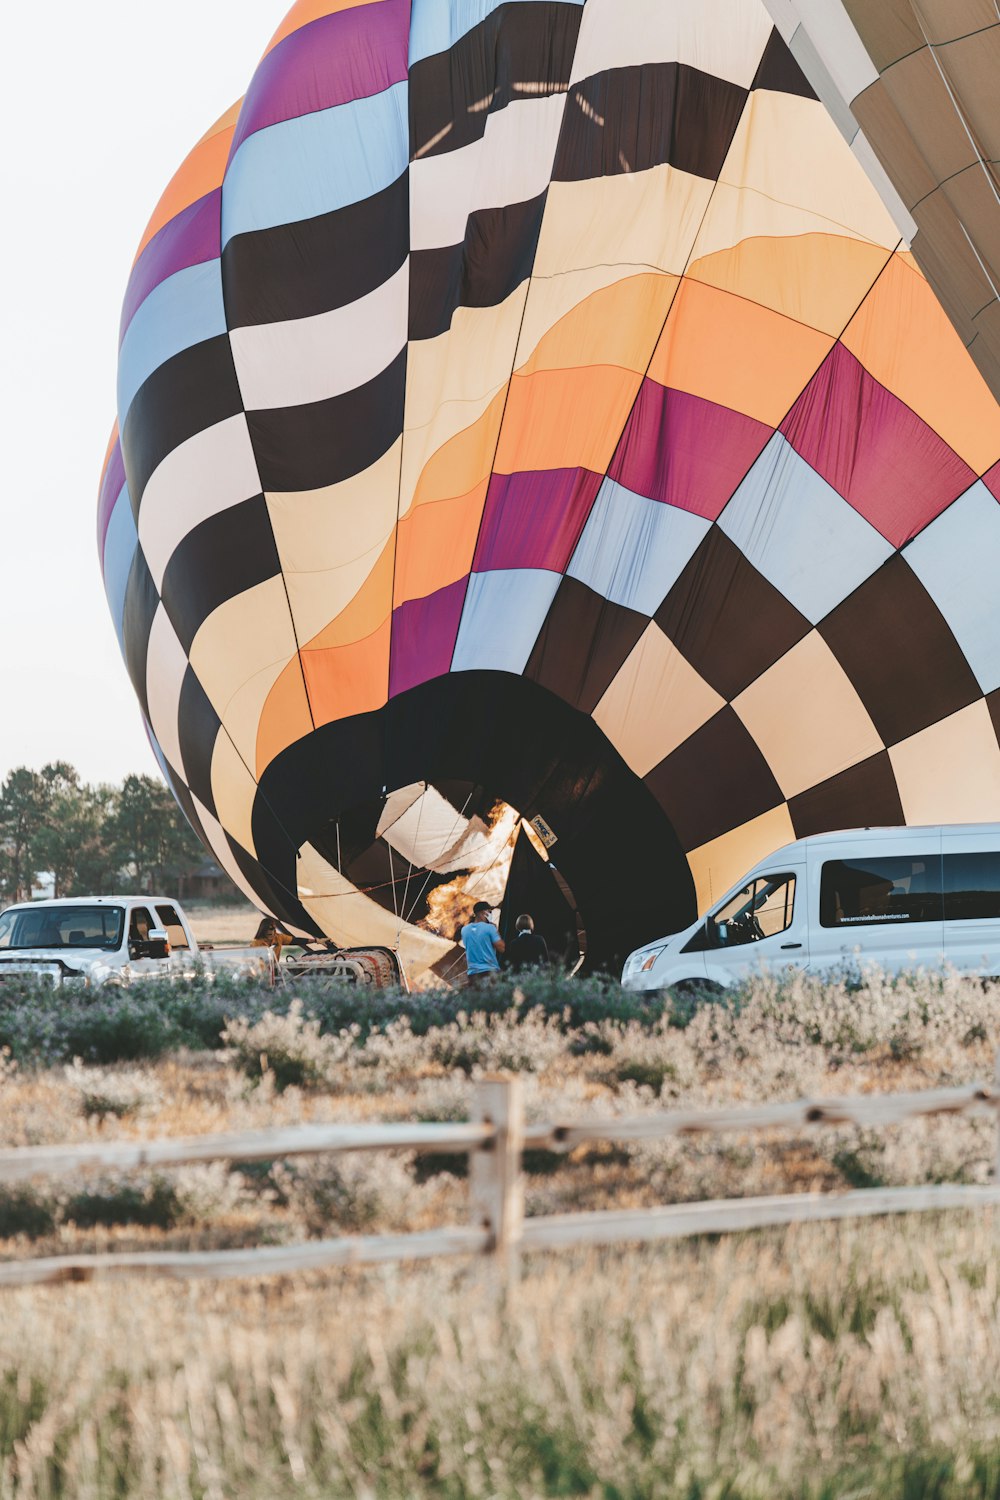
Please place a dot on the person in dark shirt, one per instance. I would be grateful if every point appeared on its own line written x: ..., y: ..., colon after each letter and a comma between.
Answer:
x: 528, y: 950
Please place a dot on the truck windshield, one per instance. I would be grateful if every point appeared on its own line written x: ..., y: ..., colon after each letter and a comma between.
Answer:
x: 61, y: 927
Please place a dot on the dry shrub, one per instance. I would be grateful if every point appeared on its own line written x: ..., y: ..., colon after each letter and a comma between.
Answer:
x: 348, y: 1194
x: 289, y: 1047
x: 517, y: 1041
x: 119, y: 1092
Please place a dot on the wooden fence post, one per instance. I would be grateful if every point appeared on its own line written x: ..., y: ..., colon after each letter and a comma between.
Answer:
x: 496, y: 1177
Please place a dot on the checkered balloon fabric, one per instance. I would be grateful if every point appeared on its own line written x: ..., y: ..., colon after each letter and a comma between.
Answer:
x: 538, y: 396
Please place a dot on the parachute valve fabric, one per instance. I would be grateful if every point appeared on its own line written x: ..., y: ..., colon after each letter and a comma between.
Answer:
x: 912, y: 86
x: 534, y: 401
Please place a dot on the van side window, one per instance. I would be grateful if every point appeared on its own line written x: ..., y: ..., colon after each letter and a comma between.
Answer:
x: 870, y: 891
x: 775, y: 899
x: 760, y: 910
x: 174, y: 928
x: 971, y: 887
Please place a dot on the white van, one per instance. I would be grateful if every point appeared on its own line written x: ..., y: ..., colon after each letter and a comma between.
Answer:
x: 898, y: 898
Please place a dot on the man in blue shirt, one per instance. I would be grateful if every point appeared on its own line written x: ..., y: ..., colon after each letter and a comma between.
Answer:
x: 483, y: 945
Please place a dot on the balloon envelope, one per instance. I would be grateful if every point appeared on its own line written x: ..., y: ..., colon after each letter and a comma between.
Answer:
x: 535, y: 402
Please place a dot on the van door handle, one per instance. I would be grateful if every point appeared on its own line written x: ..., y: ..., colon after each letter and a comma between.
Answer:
x: 791, y: 945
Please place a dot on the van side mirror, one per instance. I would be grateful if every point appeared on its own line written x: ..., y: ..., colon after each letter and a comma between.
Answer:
x: 714, y: 934
x: 707, y: 936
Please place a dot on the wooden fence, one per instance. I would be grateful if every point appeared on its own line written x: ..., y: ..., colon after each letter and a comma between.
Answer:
x: 496, y: 1138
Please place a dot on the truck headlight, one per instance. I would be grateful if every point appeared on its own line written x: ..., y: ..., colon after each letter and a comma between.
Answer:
x: 650, y: 959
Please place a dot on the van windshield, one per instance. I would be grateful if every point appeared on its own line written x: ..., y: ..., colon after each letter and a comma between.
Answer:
x: 61, y: 927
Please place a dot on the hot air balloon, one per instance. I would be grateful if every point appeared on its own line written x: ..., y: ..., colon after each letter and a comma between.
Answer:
x: 531, y: 421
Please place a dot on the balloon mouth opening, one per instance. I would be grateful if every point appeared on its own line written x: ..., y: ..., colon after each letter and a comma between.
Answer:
x: 595, y: 848
x: 424, y: 855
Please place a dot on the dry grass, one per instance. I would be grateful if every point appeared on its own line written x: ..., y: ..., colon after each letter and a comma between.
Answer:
x: 224, y: 924
x: 821, y: 1361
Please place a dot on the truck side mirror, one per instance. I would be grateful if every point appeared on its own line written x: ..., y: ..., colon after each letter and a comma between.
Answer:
x: 157, y: 944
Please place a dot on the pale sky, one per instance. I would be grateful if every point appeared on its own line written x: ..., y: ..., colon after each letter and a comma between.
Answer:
x: 100, y: 104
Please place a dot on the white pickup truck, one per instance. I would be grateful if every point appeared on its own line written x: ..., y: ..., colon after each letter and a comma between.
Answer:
x: 98, y: 940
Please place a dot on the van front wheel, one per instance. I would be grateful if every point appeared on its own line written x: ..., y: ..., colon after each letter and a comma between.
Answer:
x: 685, y: 998
x: 708, y: 989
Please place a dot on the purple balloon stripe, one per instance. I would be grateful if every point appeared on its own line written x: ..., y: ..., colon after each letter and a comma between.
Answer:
x: 991, y: 479
x: 111, y: 487
x: 190, y: 239
x: 686, y: 451
x: 534, y: 519
x: 424, y: 632
x: 350, y: 55
x: 885, y: 461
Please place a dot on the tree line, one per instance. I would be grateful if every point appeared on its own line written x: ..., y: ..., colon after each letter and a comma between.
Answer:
x: 92, y: 840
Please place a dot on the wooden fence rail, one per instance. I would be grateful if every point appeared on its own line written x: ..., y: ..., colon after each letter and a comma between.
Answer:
x: 865, y: 1110
x: 496, y: 1138
x: 246, y: 1145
